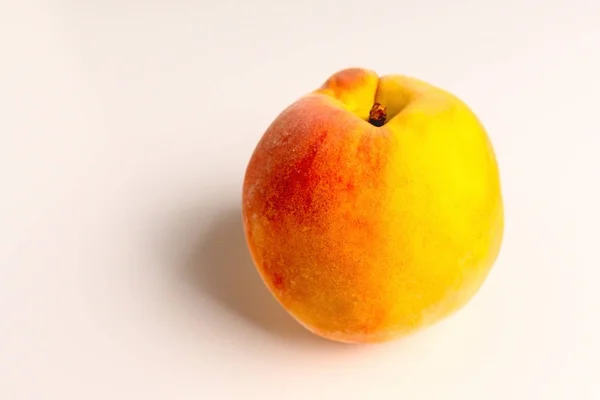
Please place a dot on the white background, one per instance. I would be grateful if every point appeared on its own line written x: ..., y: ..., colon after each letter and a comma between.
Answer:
x: 125, y: 130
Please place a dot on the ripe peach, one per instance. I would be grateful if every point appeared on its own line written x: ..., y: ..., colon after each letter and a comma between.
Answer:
x: 372, y: 206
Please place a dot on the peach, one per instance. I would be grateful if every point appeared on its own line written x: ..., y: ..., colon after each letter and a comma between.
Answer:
x: 372, y: 206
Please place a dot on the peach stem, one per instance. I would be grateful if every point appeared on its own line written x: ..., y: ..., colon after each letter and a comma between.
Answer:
x: 377, y: 115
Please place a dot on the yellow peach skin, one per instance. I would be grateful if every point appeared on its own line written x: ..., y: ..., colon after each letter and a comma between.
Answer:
x: 372, y: 206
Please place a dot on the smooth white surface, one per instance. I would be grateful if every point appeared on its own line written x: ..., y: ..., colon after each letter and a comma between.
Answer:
x: 125, y: 131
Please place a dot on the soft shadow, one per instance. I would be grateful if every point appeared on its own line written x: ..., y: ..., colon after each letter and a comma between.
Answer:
x: 223, y: 269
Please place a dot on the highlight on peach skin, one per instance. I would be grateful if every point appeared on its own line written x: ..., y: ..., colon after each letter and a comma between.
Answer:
x: 372, y: 206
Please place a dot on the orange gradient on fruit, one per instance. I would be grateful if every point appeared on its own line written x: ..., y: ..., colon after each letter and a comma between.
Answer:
x: 366, y: 233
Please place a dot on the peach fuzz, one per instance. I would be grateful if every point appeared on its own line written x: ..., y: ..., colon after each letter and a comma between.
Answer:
x: 372, y: 206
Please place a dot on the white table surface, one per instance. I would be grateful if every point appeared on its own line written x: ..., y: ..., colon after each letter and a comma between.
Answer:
x: 125, y: 130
